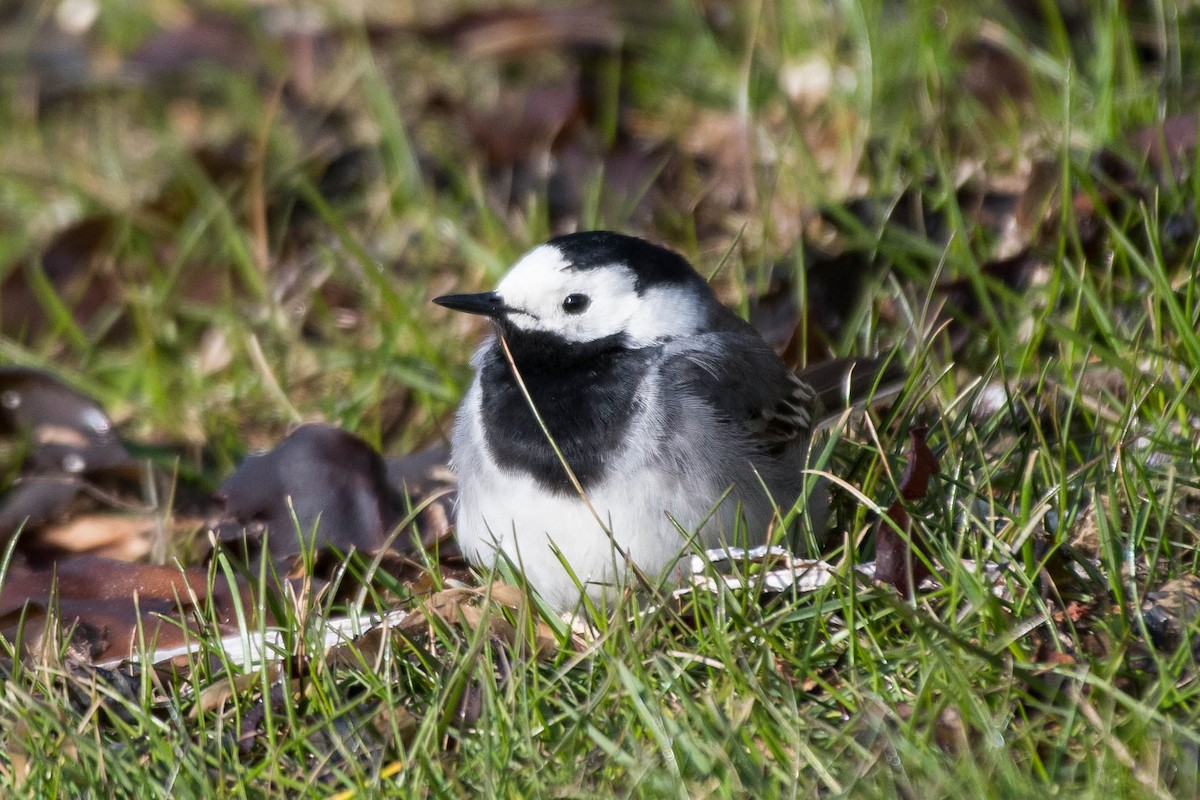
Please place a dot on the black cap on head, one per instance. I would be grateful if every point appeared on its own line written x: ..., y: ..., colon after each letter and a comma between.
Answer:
x: 651, y: 265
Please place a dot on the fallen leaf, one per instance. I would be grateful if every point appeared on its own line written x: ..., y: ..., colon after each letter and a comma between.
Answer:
x: 993, y: 74
x: 1171, y: 612
x: 1170, y: 145
x: 73, y: 464
x: 111, y: 607
x: 320, y: 487
x: 125, y: 537
x: 209, y: 37
x: 70, y: 268
x: 517, y: 32
x: 895, y: 562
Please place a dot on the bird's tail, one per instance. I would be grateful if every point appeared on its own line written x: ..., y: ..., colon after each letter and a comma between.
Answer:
x: 853, y: 382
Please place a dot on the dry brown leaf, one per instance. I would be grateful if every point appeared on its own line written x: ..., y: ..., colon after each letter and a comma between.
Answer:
x: 118, y: 536
x: 507, y: 595
x: 994, y: 75
x: 895, y: 561
x: 318, y: 474
x: 111, y: 607
x: 396, y: 720
x: 470, y: 608
x: 18, y: 768
x: 1171, y: 611
x: 215, y: 696
x: 1170, y: 145
x: 516, y: 32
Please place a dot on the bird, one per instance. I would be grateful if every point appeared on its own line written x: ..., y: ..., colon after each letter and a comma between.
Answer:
x: 620, y: 415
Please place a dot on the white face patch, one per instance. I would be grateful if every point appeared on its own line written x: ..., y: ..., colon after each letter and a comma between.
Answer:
x: 542, y: 280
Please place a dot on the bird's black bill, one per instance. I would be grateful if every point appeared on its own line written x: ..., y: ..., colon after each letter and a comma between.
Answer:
x: 487, y: 304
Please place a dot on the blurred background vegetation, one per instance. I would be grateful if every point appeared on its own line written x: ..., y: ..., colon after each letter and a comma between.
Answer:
x: 224, y: 218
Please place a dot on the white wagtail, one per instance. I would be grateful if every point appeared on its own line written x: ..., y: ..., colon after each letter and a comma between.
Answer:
x: 674, y: 417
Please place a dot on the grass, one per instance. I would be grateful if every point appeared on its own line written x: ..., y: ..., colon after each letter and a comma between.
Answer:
x: 262, y: 299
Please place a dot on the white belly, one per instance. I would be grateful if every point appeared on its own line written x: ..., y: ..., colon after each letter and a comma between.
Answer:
x: 526, y: 524
x: 504, y: 511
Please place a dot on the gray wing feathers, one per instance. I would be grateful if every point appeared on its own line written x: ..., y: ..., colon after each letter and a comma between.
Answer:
x: 739, y: 376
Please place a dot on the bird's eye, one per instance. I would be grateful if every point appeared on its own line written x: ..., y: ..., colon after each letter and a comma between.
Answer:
x: 576, y: 303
